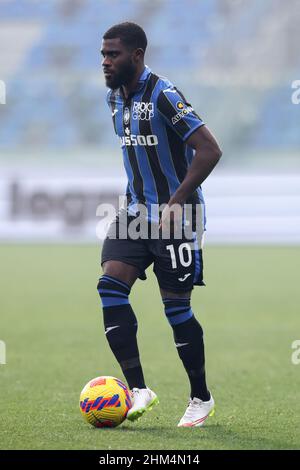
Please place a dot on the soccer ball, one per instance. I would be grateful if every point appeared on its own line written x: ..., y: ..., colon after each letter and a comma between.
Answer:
x: 104, y: 402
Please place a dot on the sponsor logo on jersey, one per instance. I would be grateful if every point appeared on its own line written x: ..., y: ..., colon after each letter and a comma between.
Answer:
x: 184, y: 111
x: 142, y: 111
x: 179, y: 105
x: 134, y: 140
x: 126, y: 116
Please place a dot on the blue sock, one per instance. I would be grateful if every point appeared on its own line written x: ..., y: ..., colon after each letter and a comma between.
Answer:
x: 121, y: 328
x: 188, y: 336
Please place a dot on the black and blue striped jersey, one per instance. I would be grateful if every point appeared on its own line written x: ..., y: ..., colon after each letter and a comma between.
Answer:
x: 153, y: 125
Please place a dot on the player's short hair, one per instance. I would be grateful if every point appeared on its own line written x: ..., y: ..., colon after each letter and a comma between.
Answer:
x: 131, y: 34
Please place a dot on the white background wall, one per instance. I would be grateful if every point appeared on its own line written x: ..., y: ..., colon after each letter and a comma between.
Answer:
x: 55, y: 207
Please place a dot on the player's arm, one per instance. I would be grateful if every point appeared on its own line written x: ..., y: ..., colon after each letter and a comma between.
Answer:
x: 207, y: 155
x: 178, y: 114
x: 181, y: 117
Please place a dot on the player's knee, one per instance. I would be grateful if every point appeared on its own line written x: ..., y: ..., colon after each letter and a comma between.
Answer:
x: 121, y: 271
x: 112, y: 291
x: 177, y: 310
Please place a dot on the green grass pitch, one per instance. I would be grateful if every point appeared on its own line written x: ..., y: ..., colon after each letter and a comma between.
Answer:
x: 52, y: 325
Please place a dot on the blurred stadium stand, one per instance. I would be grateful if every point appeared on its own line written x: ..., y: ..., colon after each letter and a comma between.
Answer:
x: 233, y: 59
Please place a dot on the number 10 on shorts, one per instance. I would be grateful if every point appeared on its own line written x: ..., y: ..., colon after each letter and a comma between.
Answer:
x: 184, y: 252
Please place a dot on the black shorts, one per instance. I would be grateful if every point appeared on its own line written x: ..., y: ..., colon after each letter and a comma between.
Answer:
x: 177, y: 263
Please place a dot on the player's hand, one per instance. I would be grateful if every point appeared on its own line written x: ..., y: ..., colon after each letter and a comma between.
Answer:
x: 171, y: 218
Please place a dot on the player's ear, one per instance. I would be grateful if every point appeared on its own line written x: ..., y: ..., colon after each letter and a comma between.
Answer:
x: 138, y: 54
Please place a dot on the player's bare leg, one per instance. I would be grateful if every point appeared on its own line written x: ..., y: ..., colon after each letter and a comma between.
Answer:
x: 188, y: 336
x: 122, y: 271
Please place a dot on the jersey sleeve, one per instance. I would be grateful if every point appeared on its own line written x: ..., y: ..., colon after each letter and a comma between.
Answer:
x: 178, y: 113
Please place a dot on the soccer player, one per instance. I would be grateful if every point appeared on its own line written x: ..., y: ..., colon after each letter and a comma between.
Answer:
x: 168, y: 152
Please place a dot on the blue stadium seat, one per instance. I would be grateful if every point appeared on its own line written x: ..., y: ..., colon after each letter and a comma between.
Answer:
x: 63, y: 103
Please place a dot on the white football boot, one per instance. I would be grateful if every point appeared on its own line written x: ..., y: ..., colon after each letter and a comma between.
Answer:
x: 143, y: 400
x: 197, y: 412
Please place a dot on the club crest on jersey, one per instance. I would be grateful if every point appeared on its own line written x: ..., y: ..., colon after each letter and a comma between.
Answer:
x: 142, y: 111
x: 126, y: 116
